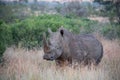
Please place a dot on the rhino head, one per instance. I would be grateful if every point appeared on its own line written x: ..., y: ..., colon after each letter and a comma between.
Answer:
x: 53, y: 46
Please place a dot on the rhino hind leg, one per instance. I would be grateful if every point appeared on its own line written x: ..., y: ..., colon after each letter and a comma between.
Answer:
x: 97, y: 62
x: 90, y: 61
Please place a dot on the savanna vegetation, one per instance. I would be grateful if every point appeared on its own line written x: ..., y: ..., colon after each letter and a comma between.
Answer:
x: 22, y: 25
x: 28, y: 33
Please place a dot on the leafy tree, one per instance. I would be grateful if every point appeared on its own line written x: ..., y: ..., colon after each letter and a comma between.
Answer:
x: 112, y: 9
x: 23, y: 1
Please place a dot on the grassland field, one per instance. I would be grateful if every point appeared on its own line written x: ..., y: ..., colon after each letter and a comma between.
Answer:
x: 23, y: 64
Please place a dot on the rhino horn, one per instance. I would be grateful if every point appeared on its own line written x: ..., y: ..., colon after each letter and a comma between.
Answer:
x: 45, y: 44
x: 61, y: 26
x: 50, y: 31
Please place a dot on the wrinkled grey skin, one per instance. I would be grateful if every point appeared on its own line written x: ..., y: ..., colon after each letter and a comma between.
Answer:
x: 64, y: 46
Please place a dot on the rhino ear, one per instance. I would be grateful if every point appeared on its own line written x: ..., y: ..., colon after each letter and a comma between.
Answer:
x: 62, y: 32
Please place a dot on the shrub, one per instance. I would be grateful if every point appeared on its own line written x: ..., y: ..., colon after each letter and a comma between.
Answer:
x: 29, y: 32
x: 5, y: 36
x: 111, y: 31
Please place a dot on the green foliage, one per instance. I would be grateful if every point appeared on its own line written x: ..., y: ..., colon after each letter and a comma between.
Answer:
x: 111, y: 31
x: 29, y: 32
x: 111, y: 10
x: 5, y: 36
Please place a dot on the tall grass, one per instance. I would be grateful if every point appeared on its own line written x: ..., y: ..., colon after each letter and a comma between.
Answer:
x: 21, y: 64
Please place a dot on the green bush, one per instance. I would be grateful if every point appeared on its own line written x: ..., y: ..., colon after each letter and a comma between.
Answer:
x: 111, y: 31
x: 5, y: 36
x: 29, y: 32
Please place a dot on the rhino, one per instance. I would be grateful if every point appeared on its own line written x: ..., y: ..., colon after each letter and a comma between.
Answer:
x: 65, y: 47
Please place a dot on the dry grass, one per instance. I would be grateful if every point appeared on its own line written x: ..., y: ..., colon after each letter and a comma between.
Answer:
x: 21, y: 64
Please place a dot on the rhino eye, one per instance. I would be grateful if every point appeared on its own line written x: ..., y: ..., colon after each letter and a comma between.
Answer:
x: 57, y: 47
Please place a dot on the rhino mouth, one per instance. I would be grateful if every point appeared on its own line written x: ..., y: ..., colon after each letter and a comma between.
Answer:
x: 48, y: 58
x: 52, y: 56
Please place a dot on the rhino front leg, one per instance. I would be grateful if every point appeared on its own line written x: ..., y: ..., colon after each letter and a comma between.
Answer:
x: 62, y: 63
